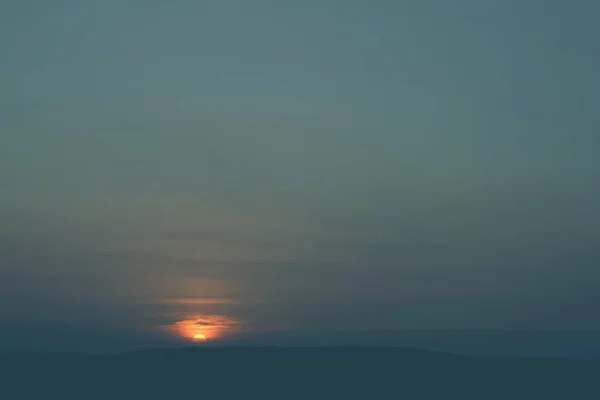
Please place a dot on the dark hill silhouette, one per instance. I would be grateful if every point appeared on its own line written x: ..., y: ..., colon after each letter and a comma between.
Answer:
x: 292, y: 373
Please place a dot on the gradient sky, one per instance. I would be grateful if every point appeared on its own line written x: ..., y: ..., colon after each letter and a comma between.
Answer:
x: 297, y: 168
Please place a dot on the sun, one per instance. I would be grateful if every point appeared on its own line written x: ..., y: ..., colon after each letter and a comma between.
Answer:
x: 199, y: 338
x: 200, y: 328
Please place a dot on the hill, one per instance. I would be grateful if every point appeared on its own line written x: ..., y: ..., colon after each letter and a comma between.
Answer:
x: 292, y: 373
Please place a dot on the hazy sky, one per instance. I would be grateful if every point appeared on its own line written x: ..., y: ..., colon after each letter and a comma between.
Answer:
x: 253, y: 167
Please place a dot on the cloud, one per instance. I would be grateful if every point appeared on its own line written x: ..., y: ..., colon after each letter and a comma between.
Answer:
x: 199, y: 301
x: 212, y: 326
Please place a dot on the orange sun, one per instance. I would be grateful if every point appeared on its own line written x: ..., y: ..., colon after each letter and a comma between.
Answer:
x: 203, y: 327
x: 199, y: 338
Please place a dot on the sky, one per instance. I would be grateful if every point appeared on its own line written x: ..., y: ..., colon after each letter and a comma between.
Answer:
x: 304, y: 171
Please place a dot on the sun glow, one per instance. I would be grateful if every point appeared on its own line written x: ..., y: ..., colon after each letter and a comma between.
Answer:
x: 199, y: 337
x: 201, y: 327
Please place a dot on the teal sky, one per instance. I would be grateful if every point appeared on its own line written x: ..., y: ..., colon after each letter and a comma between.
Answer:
x: 300, y: 166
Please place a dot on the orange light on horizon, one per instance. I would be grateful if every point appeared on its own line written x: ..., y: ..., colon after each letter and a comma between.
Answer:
x: 199, y: 337
x: 202, y: 327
